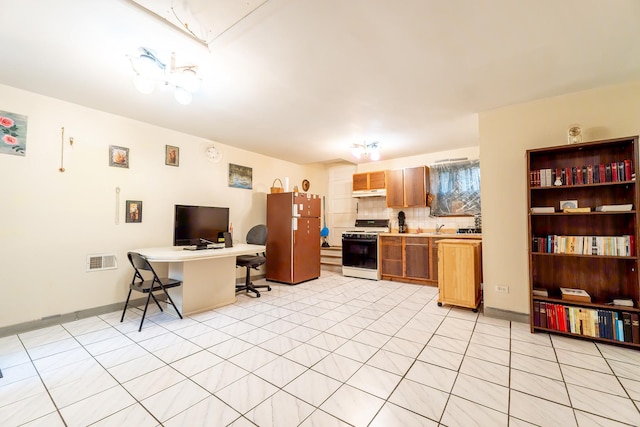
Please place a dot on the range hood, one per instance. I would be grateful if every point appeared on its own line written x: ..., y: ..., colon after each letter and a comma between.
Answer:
x: 380, y: 192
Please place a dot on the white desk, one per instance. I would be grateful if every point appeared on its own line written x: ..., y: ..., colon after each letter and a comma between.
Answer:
x: 208, y: 276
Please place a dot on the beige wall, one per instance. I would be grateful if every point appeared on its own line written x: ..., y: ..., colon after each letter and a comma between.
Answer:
x: 505, y: 135
x: 421, y: 159
x: 51, y: 221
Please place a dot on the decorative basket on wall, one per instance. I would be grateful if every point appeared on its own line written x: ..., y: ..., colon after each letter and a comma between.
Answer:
x: 275, y: 189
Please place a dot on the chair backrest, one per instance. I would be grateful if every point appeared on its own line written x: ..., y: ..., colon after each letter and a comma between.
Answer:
x: 257, y: 235
x: 140, y: 263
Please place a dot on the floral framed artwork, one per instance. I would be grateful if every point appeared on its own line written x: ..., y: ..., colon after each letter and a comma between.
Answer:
x: 118, y: 156
x: 240, y: 176
x: 13, y: 133
x: 171, y: 155
x: 134, y: 211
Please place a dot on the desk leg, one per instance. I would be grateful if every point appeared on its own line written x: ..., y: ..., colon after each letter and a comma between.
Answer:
x: 206, y: 284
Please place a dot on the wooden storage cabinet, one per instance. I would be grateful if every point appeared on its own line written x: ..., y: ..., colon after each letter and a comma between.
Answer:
x: 408, y: 259
x: 417, y: 258
x: 460, y: 273
x: 407, y: 187
x: 391, y: 256
x: 554, y: 260
x: 369, y: 181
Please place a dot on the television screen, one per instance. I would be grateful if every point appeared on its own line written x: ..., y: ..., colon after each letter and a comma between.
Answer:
x: 193, y: 223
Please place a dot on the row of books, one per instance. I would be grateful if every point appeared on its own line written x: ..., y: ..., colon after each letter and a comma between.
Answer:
x: 589, y: 174
x: 585, y: 245
x: 598, y: 323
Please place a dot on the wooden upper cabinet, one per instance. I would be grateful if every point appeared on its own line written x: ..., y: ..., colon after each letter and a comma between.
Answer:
x: 377, y: 180
x: 408, y: 187
x: 416, y: 186
x: 369, y: 181
x: 395, y: 188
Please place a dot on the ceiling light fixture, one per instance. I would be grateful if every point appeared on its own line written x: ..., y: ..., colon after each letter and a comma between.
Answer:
x: 151, y: 72
x: 370, y: 150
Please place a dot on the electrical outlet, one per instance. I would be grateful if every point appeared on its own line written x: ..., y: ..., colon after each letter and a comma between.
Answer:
x: 502, y: 289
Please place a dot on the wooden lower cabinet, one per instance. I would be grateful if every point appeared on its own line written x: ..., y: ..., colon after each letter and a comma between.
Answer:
x: 408, y: 259
x: 417, y: 260
x: 460, y: 272
x: 391, y: 256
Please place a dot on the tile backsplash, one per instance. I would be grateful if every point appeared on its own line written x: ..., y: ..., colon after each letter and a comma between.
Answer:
x: 376, y: 208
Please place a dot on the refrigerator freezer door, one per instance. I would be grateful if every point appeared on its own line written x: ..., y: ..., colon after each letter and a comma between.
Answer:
x: 308, y: 204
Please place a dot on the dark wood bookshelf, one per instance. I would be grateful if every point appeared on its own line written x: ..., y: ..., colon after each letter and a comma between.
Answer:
x: 603, y: 277
x: 588, y: 338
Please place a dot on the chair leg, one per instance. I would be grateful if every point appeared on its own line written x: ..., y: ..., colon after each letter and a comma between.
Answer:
x: 172, y: 303
x: 125, y: 306
x: 144, y: 313
x: 249, y: 285
x: 154, y: 298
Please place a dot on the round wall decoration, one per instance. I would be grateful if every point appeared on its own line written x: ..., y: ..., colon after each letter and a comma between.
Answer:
x: 305, y: 184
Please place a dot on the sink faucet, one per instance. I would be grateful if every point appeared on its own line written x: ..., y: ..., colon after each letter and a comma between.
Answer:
x: 438, y: 228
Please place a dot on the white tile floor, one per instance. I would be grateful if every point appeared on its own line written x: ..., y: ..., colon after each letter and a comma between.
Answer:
x: 335, y: 351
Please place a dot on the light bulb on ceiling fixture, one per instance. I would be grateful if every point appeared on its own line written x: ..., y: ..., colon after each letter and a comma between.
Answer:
x: 370, y: 150
x: 183, y: 96
x: 357, y: 151
x: 186, y: 79
x: 151, y: 72
x: 143, y: 84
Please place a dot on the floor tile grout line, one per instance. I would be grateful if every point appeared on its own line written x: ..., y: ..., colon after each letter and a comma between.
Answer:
x: 512, y: 338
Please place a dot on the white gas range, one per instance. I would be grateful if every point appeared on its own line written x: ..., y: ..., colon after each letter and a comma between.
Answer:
x: 360, y: 256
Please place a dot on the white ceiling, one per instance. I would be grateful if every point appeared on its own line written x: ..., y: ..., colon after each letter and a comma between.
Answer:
x: 301, y: 80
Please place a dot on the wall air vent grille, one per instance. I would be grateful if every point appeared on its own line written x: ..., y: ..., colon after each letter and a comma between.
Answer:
x: 101, y: 262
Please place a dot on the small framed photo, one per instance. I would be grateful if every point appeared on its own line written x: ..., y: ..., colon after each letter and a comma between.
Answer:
x: 171, y: 155
x: 240, y: 176
x: 134, y: 211
x: 118, y: 156
x: 572, y: 204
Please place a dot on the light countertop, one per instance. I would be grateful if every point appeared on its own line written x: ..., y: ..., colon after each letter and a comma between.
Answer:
x: 444, y: 235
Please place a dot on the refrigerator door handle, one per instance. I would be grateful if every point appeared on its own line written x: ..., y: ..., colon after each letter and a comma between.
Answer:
x: 294, y: 224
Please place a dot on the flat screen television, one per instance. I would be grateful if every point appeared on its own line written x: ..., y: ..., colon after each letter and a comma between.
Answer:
x: 198, y: 225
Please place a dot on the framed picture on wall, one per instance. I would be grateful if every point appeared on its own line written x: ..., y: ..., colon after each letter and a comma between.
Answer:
x: 240, y: 176
x: 134, y: 211
x: 171, y: 155
x: 118, y: 156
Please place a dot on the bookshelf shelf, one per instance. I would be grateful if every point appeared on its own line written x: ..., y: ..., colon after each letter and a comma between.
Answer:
x: 631, y: 258
x: 572, y: 335
x: 604, y: 276
x: 598, y: 184
x: 584, y: 213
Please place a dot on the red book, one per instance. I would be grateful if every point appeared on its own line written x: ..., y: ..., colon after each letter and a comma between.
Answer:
x: 579, y: 176
x: 602, y: 173
x: 559, y: 175
x: 589, y: 174
x: 627, y: 170
x: 632, y: 245
x: 614, y: 172
x: 562, y: 323
x: 569, y: 174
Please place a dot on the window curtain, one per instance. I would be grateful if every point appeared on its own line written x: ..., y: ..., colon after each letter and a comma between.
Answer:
x: 456, y: 188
